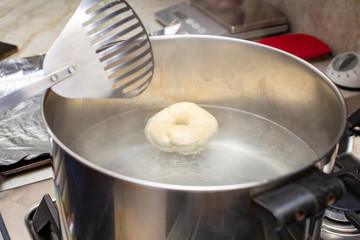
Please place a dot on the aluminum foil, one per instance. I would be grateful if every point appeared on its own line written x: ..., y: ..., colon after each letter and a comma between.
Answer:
x: 22, y: 134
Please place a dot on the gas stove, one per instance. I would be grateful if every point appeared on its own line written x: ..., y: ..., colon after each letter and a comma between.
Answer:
x: 336, y: 226
x: 342, y: 219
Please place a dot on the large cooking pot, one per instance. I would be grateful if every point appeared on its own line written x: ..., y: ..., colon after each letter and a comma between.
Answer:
x: 279, y: 123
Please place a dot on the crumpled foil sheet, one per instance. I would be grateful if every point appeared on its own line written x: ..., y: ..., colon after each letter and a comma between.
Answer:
x: 22, y: 134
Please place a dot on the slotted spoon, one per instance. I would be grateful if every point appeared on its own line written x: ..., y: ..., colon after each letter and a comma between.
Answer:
x: 103, y: 52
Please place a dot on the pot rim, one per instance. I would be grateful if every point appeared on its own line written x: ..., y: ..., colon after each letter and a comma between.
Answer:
x: 214, y: 188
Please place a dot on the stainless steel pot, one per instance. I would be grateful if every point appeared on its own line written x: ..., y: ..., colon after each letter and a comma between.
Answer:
x: 99, y: 202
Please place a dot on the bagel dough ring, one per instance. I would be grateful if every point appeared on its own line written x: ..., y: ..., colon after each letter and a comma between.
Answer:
x: 182, y: 127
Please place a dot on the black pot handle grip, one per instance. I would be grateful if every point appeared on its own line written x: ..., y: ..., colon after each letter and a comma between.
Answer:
x: 314, y: 191
x: 306, y: 196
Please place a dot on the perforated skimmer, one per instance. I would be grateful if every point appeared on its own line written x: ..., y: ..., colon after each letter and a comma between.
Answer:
x: 103, y: 52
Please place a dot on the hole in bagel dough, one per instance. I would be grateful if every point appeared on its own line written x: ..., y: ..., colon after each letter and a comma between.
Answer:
x: 182, y: 120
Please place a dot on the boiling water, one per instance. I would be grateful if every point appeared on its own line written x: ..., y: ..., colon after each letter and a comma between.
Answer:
x: 247, y: 148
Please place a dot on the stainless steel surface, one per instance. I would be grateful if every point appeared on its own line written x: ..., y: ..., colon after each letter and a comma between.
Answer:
x: 87, y: 51
x: 256, y: 24
x: 337, y: 230
x: 241, y: 16
x: 234, y: 74
x: 11, y: 100
x: 336, y: 226
x: 336, y: 215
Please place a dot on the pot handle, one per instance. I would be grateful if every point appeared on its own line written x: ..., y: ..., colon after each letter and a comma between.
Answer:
x: 312, y: 193
x: 304, y: 197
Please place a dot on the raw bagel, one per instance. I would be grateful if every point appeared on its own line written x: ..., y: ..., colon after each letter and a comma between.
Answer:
x: 182, y: 127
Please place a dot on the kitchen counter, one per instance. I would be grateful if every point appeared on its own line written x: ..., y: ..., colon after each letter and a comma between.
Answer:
x: 34, y: 25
